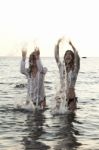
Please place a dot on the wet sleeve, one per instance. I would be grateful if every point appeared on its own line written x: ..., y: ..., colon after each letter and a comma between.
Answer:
x: 76, y: 61
x: 39, y: 65
x: 44, y: 71
x: 23, y: 70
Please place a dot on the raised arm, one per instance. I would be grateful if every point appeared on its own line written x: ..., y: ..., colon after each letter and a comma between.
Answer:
x: 76, y: 59
x: 38, y: 61
x: 57, y: 51
x: 23, y: 70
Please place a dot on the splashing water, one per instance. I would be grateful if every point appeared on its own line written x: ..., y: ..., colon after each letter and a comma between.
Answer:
x: 60, y: 106
x: 25, y: 105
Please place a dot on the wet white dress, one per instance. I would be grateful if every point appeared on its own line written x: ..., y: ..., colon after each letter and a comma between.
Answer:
x: 67, y: 80
x: 35, y: 86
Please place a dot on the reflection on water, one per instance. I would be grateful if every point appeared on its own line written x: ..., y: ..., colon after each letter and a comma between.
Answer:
x: 62, y: 132
x: 35, y: 128
x: 67, y: 133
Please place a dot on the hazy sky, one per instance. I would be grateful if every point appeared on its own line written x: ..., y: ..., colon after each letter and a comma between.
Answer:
x: 42, y: 22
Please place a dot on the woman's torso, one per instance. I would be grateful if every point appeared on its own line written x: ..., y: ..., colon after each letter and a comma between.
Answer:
x: 68, y: 79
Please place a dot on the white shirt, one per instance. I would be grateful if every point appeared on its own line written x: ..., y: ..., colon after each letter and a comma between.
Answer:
x: 67, y: 79
x: 35, y: 87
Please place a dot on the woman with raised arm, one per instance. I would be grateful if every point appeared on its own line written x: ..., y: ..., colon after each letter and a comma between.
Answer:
x: 35, y: 75
x: 68, y: 70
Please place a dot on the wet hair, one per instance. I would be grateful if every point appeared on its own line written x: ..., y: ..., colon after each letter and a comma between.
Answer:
x: 37, y: 50
x: 32, y: 62
x: 32, y: 58
x: 72, y: 55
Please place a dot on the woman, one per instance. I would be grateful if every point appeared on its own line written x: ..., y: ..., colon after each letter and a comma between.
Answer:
x: 68, y: 73
x: 35, y: 75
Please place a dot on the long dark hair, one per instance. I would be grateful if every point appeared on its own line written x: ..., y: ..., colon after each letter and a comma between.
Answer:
x: 72, y: 61
x: 32, y: 62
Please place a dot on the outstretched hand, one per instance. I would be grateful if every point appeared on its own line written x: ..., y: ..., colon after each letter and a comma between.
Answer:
x: 59, y: 41
x: 70, y: 43
x: 72, y: 46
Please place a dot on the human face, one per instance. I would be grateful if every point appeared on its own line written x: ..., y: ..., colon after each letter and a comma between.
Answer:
x: 32, y: 59
x: 68, y: 57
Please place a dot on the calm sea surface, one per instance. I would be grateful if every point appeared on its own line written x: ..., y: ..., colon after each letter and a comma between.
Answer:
x: 42, y: 131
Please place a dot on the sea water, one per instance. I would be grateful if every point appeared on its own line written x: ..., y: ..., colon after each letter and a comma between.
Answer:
x: 41, y: 130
